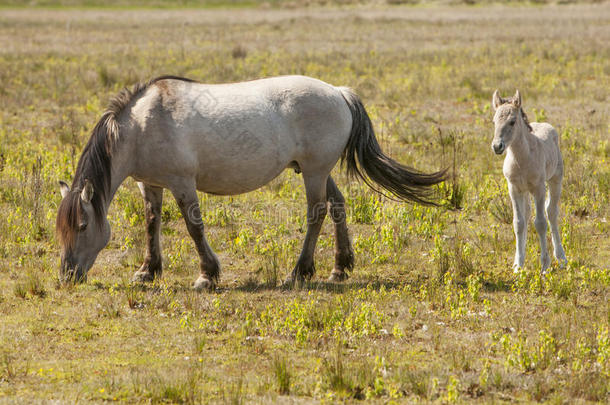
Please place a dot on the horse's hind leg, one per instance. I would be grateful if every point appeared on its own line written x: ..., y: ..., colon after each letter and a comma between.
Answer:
x: 189, y: 207
x: 315, y: 188
x: 541, y: 227
x: 152, y: 266
x: 344, y: 254
x: 552, y: 212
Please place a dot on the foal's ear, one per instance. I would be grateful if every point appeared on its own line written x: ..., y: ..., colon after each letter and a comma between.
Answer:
x: 517, y: 99
x: 496, y: 100
x: 87, y: 194
x: 64, y: 189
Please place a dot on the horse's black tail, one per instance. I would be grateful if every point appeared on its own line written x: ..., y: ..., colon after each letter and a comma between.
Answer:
x: 366, y: 160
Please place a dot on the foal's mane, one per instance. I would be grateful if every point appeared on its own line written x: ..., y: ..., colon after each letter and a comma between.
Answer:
x: 526, y: 120
x: 512, y: 100
x: 94, y: 164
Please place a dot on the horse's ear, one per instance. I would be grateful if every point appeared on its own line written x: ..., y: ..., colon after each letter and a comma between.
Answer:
x: 64, y: 189
x: 87, y: 194
x: 517, y: 99
x: 496, y: 100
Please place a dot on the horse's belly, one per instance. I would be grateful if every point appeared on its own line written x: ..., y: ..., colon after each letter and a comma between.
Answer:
x: 232, y: 185
x: 237, y: 177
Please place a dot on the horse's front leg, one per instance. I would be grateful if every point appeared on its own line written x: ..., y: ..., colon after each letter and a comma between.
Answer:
x: 153, y: 201
x: 344, y: 254
x: 187, y: 200
x: 315, y: 188
x: 520, y: 217
x: 541, y: 227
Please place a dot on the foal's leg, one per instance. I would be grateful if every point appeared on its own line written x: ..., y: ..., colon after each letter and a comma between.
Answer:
x: 315, y: 188
x: 520, y: 204
x: 344, y: 254
x: 210, y: 267
x: 152, y: 266
x: 552, y: 211
x: 541, y: 227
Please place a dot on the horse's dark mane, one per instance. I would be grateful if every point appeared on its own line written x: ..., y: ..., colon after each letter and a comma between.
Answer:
x: 94, y: 164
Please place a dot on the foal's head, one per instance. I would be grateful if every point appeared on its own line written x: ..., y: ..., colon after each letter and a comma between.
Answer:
x: 82, y: 232
x: 509, y: 119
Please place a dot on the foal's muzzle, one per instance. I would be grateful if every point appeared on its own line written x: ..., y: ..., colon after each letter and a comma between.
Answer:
x: 498, y: 147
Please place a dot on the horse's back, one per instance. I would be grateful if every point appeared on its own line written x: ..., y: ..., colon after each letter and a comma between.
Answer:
x: 546, y: 132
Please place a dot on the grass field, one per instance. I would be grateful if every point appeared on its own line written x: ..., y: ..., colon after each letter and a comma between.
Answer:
x: 432, y: 311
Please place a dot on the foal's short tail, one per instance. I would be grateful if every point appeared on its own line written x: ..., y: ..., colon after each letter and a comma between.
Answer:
x: 366, y: 160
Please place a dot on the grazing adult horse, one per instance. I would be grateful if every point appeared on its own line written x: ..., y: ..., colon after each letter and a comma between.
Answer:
x: 224, y: 139
x: 532, y: 159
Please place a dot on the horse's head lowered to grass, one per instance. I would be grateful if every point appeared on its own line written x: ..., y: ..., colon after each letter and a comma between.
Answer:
x: 81, y: 231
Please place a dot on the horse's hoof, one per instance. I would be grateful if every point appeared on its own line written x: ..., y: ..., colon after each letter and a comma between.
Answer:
x: 293, y: 281
x: 337, y: 276
x: 142, y: 277
x: 204, y: 284
x: 288, y: 283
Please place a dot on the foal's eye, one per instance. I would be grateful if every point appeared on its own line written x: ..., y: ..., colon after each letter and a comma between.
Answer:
x: 82, y: 227
x: 511, y: 123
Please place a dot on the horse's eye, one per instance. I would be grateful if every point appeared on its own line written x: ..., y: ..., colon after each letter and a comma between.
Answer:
x: 511, y: 123
x: 82, y: 227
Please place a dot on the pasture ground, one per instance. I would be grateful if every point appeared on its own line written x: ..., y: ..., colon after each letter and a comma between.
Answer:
x: 432, y: 311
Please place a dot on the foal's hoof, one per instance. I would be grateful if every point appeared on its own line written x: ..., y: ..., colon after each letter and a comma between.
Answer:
x: 337, y: 276
x: 545, y: 265
x: 204, y: 284
x: 142, y: 277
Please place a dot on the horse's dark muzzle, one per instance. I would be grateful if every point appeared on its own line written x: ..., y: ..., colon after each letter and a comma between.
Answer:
x: 69, y: 273
x: 498, y: 148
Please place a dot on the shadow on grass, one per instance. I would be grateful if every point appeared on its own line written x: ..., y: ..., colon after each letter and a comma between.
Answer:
x: 153, y: 287
x: 252, y: 286
x: 497, y: 286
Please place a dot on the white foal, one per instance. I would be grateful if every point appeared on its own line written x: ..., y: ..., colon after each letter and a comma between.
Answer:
x: 532, y: 158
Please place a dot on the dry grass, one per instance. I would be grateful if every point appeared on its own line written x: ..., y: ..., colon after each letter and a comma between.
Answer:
x: 432, y: 312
